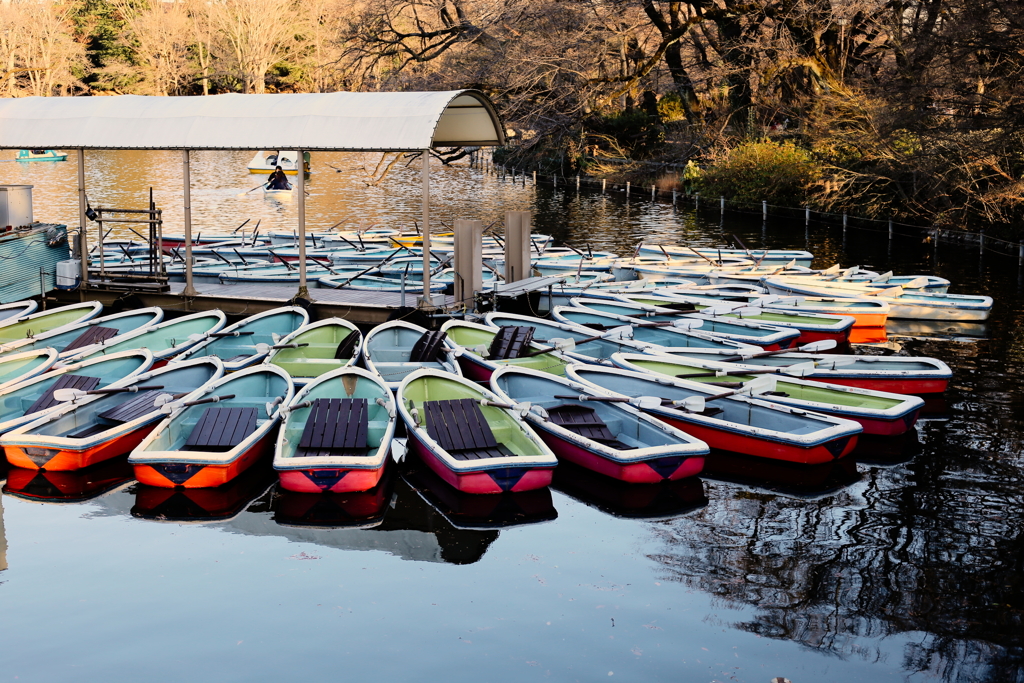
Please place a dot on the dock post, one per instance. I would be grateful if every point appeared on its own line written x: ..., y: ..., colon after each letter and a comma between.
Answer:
x: 426, y: 301
x: 673, y: 197
x: 604, y: 184
x: 890, y: 228
x: 535, y: 178
x: 721, y: 204
x: 653, y: 191
x: 577, y: 182
x: 83, y: 239
x: 187, y: 191
x: 469, y: 257
x: 1020, y: 254
x: 517, y: 246
x: 300, y: 181
x: 764, y: 210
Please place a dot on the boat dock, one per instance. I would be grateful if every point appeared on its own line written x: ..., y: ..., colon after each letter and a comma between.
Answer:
x: 358, y: 306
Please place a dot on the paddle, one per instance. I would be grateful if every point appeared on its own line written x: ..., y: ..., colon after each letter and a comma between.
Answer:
x: 682, y: 323
x: 65, y: 395
x: 239, y: 255
x: 813, y: 347
x: 568, y: 344
x: 165, y: 402
x: 329, y: 269
x: 889, y: 292
x: 364, y: 272
x: 200, y: 337
x: 263, y: 347
x: 759, y: 384
x: 798, y: 370
x: 644, y: 402
x: 287, y: 265
x: 242, y: 194
x: 240, y: 226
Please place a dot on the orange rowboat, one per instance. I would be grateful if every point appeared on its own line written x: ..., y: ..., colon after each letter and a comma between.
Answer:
x: 105, y: 423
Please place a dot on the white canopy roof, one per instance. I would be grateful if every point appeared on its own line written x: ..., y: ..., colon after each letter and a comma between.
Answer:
x: 340, y: 121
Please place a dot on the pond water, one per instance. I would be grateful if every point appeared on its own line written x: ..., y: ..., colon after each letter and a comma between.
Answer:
x: 904, y: 563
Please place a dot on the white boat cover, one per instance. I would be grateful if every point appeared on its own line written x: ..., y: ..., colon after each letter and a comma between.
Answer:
x: 339, y: 121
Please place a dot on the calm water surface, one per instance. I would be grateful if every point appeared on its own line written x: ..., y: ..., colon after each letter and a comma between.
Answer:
x: 902, y: 565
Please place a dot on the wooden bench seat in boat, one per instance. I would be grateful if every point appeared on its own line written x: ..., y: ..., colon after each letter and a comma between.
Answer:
x: 510, y: 342
x: 221, y: 429
x: 583, y: 420
x: 93, y: 335
x: 460, y: 428
x: 140, y: 404
x: 336, y: 426
x: 429, y: 347
x: 47, y: 400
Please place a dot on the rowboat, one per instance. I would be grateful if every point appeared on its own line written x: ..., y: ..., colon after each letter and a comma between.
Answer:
x: 584, y: 347
x: 895, y: 374
x: 482, y: 349
x: 164, y: 340
x: 394, y: 349
x: 763, y: 256
x: 248, y: 341
x: 614, y: 439
x: 685, y: 335
x: 42, y: 486
x: 902, y: 304
x: 40, y: 155
x: 664, y: 500
x: 15, y: 368
x: 200, y: 505
x: 879, y: 413
x: 766, y: 336
x: 736, y: 423
x: 15, y: 329
x: 469, y: 511
x: 867, y: 312
x: 454, y: 427
x: 67, y: 340
x: 27, y: 401
x: 372, y: 283
x: 337, y: 434
x: 314, y: 349
x: 88, y: 430
x: 278, y: 194
x: 204, y: 446
x: 812, y: 327
x: 17, y: 309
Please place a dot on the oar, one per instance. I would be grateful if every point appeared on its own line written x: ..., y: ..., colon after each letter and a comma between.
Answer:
x: 221, y: 257
x: 797, y: 370
x: 759, y: 384
x: 743, y: 246
x: 240, y: 226
x: 239, y: 255
x: 263, y: 347
x: 644, y: 402
x: 216, y: 335
x: 568, y: 344
x: 364, y: 272
x: 889, y: 292
x: 165, y: 402
x: 242, y: 194
x: 287, y: 265
x: 65, y: 395
x: 681, y: 323
x: 329, y: 269
x: 813, y: 347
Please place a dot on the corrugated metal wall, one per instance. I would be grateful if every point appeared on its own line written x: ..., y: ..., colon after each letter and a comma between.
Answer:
x: 23, y: 254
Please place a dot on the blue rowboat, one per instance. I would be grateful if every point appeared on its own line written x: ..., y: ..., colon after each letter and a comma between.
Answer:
x: 671, y: 339
x: 371, y: 283
x: 394, y: 349
x: 89, y: 430
x: 164, y: 341
x: 614, y: 439
x: 735, y: 423
x: 765, y: 336
x: 40, y: 155
x: 763, y: 256
x: 242, y: 344
x: 18, y: 367
x: 216, y: 433
x: 588, y: 351
x: 17, y: 309
x: 29, y: 400
x: 337, y: 434
x: 68, y: 340
x: 55, y: 319
x: 314, y: 349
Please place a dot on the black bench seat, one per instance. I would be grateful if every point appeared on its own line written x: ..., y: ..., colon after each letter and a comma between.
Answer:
x: 460, y: 428
x: 80, y: 382
x: 93, y: 335
x: 336, y: 426
x: 583, y: 420
x: 221, y: 429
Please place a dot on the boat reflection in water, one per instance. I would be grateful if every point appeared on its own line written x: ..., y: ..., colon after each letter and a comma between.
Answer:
x: 351, y: 510
x: 661, y: 500
x: 70, y: 486
x: 892, y: 450
x: 476, y: 511
x: 203, y: 504
x: 800, y: 481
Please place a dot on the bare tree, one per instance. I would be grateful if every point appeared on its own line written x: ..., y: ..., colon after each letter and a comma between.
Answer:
x: 162, y: 33
x: 257, y: 34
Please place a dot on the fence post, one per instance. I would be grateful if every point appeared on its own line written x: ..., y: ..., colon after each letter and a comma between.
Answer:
x: 844, y: 227
x: 577, y: 182
x: 807, y: 216
x: 1020, y: 254
x: 981, y: 240
x: 721, y: 203
x: 535, y: 177
x: 890, y: 228
x: 627, y: 189
x: 673, y: 197
x: 554, y: 180
x: 696, y: 200
x: 652, y: 192
x: 604, y: 184
x: 764, y: 210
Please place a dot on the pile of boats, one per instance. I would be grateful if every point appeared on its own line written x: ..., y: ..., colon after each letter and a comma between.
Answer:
x: 638, y: 386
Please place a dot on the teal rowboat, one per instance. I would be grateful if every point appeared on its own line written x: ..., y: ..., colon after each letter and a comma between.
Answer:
x: 29, y: 400
x: 396, y: 348
x: 246, y: 342
x: 18, y: 367
x: 69, y: 340
x: 165, y: 340
x: 480, y: 354
x: 312, y: 350
x: 17, y: 309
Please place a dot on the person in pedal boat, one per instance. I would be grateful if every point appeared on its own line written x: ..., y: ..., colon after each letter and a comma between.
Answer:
x: 278, y: 180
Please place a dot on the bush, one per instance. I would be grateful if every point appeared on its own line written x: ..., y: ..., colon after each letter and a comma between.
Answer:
x: 779, y: 172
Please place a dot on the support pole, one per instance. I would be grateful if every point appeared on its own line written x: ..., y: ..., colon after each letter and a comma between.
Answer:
x: 518, y: 228
x: 187, y: 192
x: 300, y: 182
x: 469, y: 258
x: 427, y: 301
x: 83, y: 239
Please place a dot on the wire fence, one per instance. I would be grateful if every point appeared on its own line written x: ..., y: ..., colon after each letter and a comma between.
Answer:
x: 679, y: 198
